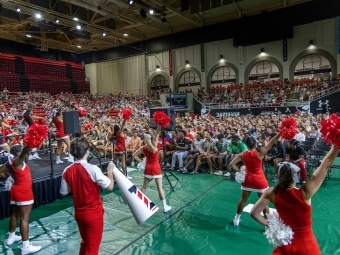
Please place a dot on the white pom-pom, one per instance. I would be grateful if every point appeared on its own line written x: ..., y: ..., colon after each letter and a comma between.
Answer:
x: 241, y: 175
x: 141, y: 165
x: 277, y: 233
x: 9, y: 183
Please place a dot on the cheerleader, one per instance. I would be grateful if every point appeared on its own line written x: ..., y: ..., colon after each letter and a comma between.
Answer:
x: 118, y: 138
x: 152, y: 167
x: 57, y: 122
x: 6, y: 128
x: 255, y: 180
x: 83, y: 180
x: 21, y: 196
x: 29, y: 121
x: 294, y: 207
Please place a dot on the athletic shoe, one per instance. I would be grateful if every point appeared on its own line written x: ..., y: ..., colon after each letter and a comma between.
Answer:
x: 132, y: 163
x: 59, y: 162
x: 218, y: 173
x: 236, y: 221
x: 211, y: 172
x: 180, y: 170
x: 30, y: 249
x: 36, y: 156
x: 167, y: 208
x: 194, y: 172
x: 276, y: 179
x: 185, y: 171
x: 15, y: 238
x: 30, y: 157
x: 227, y: 174
x: 129, y: 177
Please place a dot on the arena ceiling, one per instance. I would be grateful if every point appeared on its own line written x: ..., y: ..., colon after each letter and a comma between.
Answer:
x: 87, y: 25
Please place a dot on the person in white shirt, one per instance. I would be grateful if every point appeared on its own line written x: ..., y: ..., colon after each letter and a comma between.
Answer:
x: 300, y: 137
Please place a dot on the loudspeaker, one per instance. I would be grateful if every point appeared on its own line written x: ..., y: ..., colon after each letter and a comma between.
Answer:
x: 170, y: 111
x: 71, y: 122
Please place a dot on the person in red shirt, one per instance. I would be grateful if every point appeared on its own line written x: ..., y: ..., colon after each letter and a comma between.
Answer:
x: 83, y: 180
x: 21, y: 195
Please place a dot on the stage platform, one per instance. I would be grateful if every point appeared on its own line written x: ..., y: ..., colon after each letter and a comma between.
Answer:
x: 46, y: 183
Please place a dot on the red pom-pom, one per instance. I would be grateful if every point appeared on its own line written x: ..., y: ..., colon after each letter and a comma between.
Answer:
x: 288, y: 129
x: 161, y: 119
x: 40, y: 121
x: 88, y: 126
x: 82, y: 112
x: 330, y: 130
x: 126, y: 114
x: 35, y: 135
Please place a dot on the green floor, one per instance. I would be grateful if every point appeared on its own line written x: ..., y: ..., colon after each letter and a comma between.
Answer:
x: 203, y: 207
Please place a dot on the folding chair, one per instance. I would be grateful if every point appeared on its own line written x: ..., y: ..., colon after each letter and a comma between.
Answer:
x: 313, y: 161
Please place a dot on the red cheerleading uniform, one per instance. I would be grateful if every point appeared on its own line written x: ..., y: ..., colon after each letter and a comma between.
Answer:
x: 296, y: 213
x: 60, y: 129
x: 119, y: 144
x: 5, y: 130
x: 152, y: 167
x: 255, y: 179
x: 21, y: 192
x: 83, y: 179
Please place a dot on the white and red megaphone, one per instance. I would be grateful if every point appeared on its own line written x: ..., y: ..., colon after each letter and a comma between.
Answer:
x: 141, y: 207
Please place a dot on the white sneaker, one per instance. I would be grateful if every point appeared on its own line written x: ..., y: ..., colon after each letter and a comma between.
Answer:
x: 59, y: 162
x: 218, y: 173
x: 36, y: 156
x: 167, y: 208
x: 227, y: 174
x: 30, y: 157
x: 236, y: 221
x: 10, y: 241
x: 30, y: 249
x: 71, y: 160
x: 132, y: 163
x: 129, y: 177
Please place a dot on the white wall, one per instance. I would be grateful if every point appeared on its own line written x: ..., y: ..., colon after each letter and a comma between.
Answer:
x: 322, y: 33
x: 91, y: 72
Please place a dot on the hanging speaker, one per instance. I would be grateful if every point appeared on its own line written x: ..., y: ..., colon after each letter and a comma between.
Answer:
x: 143, y: 13
x: 71, y: 122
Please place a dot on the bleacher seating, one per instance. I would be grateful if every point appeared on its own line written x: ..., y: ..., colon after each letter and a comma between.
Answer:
x: 34, y: 74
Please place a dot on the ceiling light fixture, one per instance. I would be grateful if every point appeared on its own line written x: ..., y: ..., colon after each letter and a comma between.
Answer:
x: 130, y: 1
x: 151, y: 11
x: 17, y: 9
x: 78, y: 27
x: 125, y: 34
x: 38, y: 16
x: 28, y: 35
x: 75, y: 19
x: 78, y: 46
x: 57, y: 20
x: 104, y: 34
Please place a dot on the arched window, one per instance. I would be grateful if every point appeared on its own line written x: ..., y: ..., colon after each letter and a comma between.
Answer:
x: 264, y: 70
x: 224, y: 75
x: 313, y: 66
x: 159, y: 81
x: 189, y: 78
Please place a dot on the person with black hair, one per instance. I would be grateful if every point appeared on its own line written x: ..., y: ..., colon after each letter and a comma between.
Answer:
x: 182, y: 150
x: 255, y: 180
x: 118, y: 138
x: 235, y: 147
x: 83, y: 180
x: 294, y: 206
x: 208, y: 151
x: 29, y: 120
x: 21, y: 195
x: 296, y: 154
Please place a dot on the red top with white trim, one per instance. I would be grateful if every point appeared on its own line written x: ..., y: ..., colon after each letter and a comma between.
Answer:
x: 255, y: 178
x: 119, y: 143
x: 21, y: 190
x: 60, y: 127
x: 84, y: 179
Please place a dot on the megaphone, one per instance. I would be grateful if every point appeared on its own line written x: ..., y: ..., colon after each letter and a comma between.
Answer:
x: 140, y: 205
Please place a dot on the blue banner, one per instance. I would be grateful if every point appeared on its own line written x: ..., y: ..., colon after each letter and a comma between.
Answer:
x: 285, y: 49
x: 338, y: 34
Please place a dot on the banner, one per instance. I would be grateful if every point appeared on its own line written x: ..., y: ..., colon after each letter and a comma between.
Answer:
x: 170, y: 62
x: 240, y: 55
x: 234, y: 112
x: 202, y: 58
x: 325, y: 104
x: 285, y: 49
x: 338, y: 34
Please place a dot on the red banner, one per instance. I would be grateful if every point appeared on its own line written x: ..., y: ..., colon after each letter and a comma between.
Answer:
x: 170, y: 62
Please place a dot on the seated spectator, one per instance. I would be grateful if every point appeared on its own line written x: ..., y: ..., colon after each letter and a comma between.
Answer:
x: 235, y: 147
x: 182, y: 150
x: 196, y: 149
x: 220, y: 155
x: 134, y: 144
x: 208, y: 151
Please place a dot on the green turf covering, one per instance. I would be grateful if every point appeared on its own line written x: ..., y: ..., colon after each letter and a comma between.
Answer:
x: 200, y: 222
